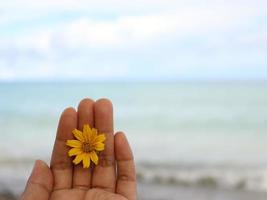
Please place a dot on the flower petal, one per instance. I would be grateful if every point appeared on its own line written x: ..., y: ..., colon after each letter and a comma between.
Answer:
x: 100, y: 138
x: 94, y: 132
x: 94, y: 157
x: 99, y: 146
x: 78, y: 159
x: 74, y: 143
x: 75, y: 151
x: 86, y: 160
x: 78, y: 134
x: 86, y: 132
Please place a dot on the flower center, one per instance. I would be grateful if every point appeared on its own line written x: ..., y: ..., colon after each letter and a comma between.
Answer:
x: 87, y: 147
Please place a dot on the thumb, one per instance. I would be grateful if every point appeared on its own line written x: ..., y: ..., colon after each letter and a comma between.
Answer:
x: 39, y: 185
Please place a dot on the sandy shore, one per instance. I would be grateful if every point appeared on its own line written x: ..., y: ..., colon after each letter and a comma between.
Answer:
x: 148, y: 191
x: 6, y: 195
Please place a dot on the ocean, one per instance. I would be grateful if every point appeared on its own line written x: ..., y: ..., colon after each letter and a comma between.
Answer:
x: 185, y: 134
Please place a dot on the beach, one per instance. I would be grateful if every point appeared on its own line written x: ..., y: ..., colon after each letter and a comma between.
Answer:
x: 190, y: 140
x: 153, y: 191
x: 14, y: 177
x: 172, y: 192
x: 165, y: 192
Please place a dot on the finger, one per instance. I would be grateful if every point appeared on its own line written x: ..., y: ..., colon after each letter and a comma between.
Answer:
x: 126, y: 178
x: 61, y: 163
x: 39, y: 185
x: 104, y: 173
x: 82, y: 176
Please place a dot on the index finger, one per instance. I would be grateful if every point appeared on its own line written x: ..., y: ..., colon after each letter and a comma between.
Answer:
x: 61, y: 163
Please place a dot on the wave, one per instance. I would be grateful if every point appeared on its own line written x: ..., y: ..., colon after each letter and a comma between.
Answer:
x: 249, y: 178
x: 225, y: 176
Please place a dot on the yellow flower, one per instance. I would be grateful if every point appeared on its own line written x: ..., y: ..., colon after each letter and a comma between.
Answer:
x: 87, y: 145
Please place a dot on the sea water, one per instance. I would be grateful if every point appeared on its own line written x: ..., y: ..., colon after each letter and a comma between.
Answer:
x: 189, y: 133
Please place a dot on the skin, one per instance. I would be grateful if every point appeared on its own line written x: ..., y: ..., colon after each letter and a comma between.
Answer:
x: 113, y: 178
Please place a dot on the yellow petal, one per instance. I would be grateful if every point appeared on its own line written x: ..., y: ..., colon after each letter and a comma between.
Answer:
x: 78, y: 159
x: 74, y: 143
x: 100, y: 138
x: 99, y: 146
x: 94, y: 133
x: 94, y: 157
x: 75, y: 151
x: 86, y: 160
x: 86, y: 132
x: 78, y: 134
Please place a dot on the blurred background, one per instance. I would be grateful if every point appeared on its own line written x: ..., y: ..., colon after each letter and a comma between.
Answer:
x: 187, y: 80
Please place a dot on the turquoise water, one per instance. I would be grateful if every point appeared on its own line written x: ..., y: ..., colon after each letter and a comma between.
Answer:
x: 192, y: 129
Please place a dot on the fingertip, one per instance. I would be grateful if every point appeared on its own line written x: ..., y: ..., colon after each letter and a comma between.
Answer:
x: 41, y: 174
x: 84, y: 103
x: 68, y: 111
x: 69, y: 114
x: 85, y: 113
x: 40, y: 164
x: 103, y: 117
x: 120, y: 138
x: 104, y: 100
x: 40, y: 183
x: 120, y: 133
x: 122, y: 147
x: 103, y: 105
x: 67, y: 123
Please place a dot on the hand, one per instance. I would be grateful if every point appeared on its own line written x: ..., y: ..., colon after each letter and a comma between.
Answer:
x: 113, y: 178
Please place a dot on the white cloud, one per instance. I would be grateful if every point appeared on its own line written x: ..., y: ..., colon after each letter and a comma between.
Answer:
x: 134, y: 30
x: 139, y: 28
x: 85, y: 4
x: 16, y: 10
x: 6, y: 73
x: 50, y: 71
x: 120, y: 5
x: 258, y: 38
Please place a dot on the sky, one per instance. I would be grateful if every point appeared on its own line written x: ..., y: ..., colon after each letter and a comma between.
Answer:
x: 133, y: 40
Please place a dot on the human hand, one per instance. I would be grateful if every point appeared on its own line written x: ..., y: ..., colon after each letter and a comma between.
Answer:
x: 113, y: 178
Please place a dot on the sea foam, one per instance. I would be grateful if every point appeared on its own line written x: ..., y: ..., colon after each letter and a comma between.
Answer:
x: 227, y: 177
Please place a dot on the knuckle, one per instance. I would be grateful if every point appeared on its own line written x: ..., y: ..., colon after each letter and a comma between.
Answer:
x: 106, y: 160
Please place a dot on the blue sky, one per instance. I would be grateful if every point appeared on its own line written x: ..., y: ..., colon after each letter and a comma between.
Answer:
x: 133, y: 40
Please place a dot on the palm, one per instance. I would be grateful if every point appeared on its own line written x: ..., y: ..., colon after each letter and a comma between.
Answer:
x: 104, y: 181
x: 76, y: 194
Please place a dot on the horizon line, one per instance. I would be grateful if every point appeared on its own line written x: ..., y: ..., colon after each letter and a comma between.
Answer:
x: 136, y: 81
